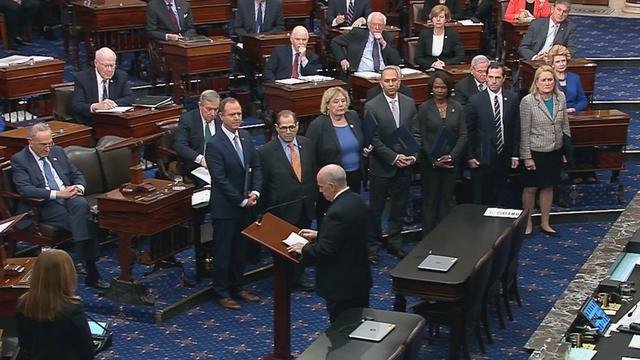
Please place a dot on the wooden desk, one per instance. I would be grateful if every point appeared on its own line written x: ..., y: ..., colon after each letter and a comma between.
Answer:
x: 27, y: 80
x: 395, y: 31
x: 258, y: 46
x: 458, y: 72
x: 11, y: 288
x: 512, y: 34
x: 582, y: 67
x: 471, y: 35
x: 64, y: 134
x: 137, y: 123
x: 210, y: 11
x: 417, y: 82
x: 449, y: 286
x: 303, y: 99
x: 196, y: 58
x: 137, y: 215
x: 118, y: 24
x: 295, y: 9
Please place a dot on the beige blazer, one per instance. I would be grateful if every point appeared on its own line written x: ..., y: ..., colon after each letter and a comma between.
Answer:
x: 539, y: 131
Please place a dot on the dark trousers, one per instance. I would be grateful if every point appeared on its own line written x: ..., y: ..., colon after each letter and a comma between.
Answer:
x: 488, y: 183
x: 18, y: 15
x: 229, y: 249
x: 296, y: 271
x: 438, y: 186
x: 335, y: 308
x: 397, y: 188
x: 354, y: 181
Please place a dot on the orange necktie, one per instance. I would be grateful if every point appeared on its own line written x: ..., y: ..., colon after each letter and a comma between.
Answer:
x: 295, y: 161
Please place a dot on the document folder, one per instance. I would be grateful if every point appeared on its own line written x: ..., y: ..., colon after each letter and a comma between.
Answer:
x: 371, y: 330
x: 437, y: 263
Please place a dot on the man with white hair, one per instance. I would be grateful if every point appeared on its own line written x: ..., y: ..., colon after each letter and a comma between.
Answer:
x: 101, y: 88
x: 475, y: 82
x: 292, y: 60
x: 366, y: 49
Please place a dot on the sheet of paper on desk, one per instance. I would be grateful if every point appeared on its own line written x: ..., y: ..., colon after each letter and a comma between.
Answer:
x: 294, y: 238
x: 315, y: 78
x: 467, y: 22
x: 409, y: 71
x: 202, y: 173
x: 22, y: 59
x: 367, y: 74
x: 629, y: 358
x: 290, y: 81
x: 504, y: 213
x: 200, y: 197
x: 635, y: 342
x: 6, y: 225
x: 581, y: 354
x: 116, y: 110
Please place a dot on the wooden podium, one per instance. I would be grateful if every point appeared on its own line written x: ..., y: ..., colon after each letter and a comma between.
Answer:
x: 303, y: 99
x: 269, y: 233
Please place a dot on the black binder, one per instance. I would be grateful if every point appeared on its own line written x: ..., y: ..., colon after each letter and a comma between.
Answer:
x: 402, y: 142
x: 150, y: 101
x: 369, y: 127
x: 443, y: 143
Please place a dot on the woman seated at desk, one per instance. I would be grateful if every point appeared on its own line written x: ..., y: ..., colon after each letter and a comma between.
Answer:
x: 558, y: 57
x: 50, y: 318
x: 523, y: 10
x: 439, y: 46
x: 453, y: 5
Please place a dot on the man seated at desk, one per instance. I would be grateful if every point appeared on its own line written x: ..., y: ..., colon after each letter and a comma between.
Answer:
x: 546, y: 32
x: 366, y: 50
x: 291, y: 61
x: 258, y: 16
x: 195, y: 129
x: 169, y: 20
x: 474, y: 83
x: 42, y: 171
x: 348, y: 12
x: 102, y: 88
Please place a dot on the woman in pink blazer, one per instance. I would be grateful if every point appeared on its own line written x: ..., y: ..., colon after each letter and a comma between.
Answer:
x: 526, y: 9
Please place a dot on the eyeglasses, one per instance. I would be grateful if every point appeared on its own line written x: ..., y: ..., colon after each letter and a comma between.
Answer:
x: 45, y: 145
x: 107, y: 65
x: 290, y: 128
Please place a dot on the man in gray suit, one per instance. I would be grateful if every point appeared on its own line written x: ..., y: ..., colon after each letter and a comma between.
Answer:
x: 389, y: 170
x: 546, y: 32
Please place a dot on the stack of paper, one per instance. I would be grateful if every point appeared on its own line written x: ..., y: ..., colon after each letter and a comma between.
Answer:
x: 367, y: 74
x: 21, y: 60
x: 315, y: 78
x: 290, y: 81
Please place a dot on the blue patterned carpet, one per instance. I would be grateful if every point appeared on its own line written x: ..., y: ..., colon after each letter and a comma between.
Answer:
x: 617, y: 84
x: 607, y: 37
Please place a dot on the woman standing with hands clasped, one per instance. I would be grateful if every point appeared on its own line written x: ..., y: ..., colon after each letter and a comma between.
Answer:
x: 443, y: 135
x: 543, y: 123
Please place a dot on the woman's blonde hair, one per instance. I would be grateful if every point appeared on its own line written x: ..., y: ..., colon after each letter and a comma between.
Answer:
x: 543, y: 68
x: 436, y: 10
x: 557, y: 50
x: 53, y: 282
x: 329, y: 94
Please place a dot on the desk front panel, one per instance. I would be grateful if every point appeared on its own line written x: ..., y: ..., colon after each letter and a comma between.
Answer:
x: 598, y: 127
x: 294, y: 9
x: 258, y: 47
x: 64, y: 134
x: 210, y: 11
x: 109, y: 18
x: 28, y: 80
x: 303, y: 99
x: 418, y: 83
x: 138, y: 123
x: 466, y: 234
x: 582, y: 67
x: 199, y: 59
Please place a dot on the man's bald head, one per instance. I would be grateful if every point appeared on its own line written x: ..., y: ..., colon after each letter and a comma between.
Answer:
x: 299, y: 37
x: 105, y: 62
x: 331, y: 180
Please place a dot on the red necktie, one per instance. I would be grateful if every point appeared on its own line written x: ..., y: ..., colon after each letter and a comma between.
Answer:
x: 296, y: 65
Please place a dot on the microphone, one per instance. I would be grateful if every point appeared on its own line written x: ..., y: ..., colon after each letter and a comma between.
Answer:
x: 277, y: 206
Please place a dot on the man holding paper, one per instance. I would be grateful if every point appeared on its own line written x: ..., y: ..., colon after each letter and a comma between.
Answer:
x: 389, y: 116
x: 292, y: 60
x: 102, y: 88
x: 339, y: 248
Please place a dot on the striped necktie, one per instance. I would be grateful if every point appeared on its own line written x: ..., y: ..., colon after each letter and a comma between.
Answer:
x: 498, y: 121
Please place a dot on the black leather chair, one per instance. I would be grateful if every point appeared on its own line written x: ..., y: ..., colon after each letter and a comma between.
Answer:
x: 510, y: 276
x: 501, y: 249
x: 166, y: 158
x: 409, y: 51
x: 87, y: 161
x: 61, y: 98
x: 115, y: 164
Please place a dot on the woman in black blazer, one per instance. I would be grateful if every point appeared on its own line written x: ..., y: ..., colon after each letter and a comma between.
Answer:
x: 453, y: 5
x: 338, y: 139
x: 443, y: 136
x: 50, y: 317
x: 439, y: 46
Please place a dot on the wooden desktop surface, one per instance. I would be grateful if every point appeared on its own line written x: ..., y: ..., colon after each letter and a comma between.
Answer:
x: 137, y: 123
x: 10, y: 289
x: 599, y: 127
x: 64, y: 134
x: 18, y: 81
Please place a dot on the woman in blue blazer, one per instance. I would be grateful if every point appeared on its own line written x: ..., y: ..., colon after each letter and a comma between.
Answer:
x: 569, y: 83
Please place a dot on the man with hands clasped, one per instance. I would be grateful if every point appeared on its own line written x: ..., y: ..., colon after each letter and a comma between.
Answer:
x: 292, y: 60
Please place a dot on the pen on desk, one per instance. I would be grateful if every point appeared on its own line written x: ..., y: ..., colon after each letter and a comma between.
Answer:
x: 632, y: 310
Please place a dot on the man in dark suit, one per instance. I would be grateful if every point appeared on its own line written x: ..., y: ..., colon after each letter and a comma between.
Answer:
x: 288, y: 176
x: 101, y: 88
x: 339, y: 14
x: 377, y: 90
x: 546, y: 32
x: 42, y: 171
x: 366, y: 50
x: 195, y: 129
x: 389, y: 170
x: 236, y: 179
x: 247, y: 20
x: 343, y: 276
x: 291, y: 61
x: 474, y: 83
x: 169, y: 20
x: 493, y: 123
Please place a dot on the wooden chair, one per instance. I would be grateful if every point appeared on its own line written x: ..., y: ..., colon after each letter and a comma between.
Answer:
x: 510, y: 276
x: 3, y: 33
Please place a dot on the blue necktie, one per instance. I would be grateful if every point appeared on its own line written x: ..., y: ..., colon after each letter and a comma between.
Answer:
x: 236, y: 145
x: 259, y: 19
x: 376, y: 56
x: 48, y: 174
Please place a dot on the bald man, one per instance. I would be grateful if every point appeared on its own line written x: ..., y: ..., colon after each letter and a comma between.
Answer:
x: 292, y: 60
x: 100, y: 88
x: 339, y: 248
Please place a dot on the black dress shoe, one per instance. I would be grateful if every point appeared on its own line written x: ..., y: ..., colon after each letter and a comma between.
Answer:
x: 305, y: 286
x: 550, y: 233
x: 80, y: 268
x: 374, y: 259
x: 98, y: 284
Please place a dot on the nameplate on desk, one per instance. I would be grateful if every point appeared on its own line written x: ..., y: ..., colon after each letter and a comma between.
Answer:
x: 372, y: 330
x: 503, y: 213
x: 437, y: 263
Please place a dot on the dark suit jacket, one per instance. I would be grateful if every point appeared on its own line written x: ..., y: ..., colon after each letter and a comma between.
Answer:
x: 228, y: 175
x: 428, y: 120
x: 351, y: 45
x: 465, y: 89
x: 382, y: 157
x: 361, y: 8
x: 85, y: 93
x: 30, y: 182
x: 245, y: 21
x: 453, y: 5
x: 158, y: 20
x: 482, y: 130
x: 189, y: 141
x: 452, y: 50
x: 323, y: 135
x: 280, y: 184
x: 278, y: 65
x: 377, y: 90
x: 533, y: 40
x: 340, y: 252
